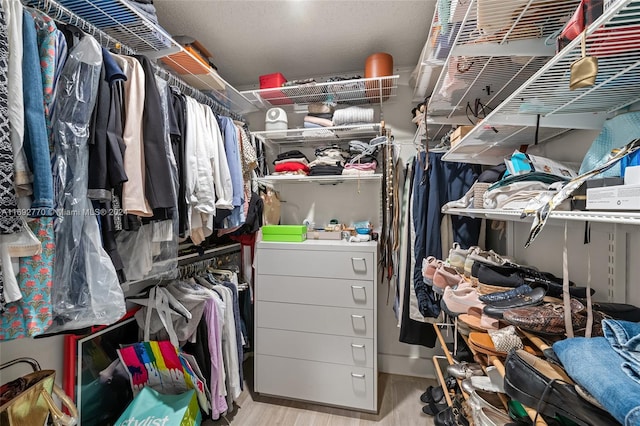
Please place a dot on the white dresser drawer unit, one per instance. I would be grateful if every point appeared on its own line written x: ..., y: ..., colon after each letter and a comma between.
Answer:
x: 334, y: 384
x: 315, y: 319
x: 316, y: 347
x: 316, y: 291
x: 315, y: 322
x: 321, y: 264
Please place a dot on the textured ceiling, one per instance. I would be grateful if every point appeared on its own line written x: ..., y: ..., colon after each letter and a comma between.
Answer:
x: 299, y: 38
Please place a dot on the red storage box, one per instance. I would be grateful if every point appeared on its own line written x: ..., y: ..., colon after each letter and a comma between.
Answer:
x: 268, y: 81
x: 274, y: 97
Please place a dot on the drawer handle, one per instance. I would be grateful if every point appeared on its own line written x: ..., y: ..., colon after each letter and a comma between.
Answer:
x: 353, y: 345
x: 363, y: 268
x: 357, y: 316
x: 357, y: 287
x: 357, y: 376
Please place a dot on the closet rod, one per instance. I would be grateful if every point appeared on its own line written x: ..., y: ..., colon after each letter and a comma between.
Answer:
x: 61, y: 14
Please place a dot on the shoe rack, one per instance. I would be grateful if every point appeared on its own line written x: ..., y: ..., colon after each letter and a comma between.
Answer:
x: 485, y: 361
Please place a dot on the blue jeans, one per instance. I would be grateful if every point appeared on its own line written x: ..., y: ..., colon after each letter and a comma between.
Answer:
x: 36, y: 140
x: 597, y: 366
x: 624, y: 338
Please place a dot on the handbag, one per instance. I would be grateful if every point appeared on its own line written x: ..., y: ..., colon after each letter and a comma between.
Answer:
x: 585, y: 70
x: 27, y: 401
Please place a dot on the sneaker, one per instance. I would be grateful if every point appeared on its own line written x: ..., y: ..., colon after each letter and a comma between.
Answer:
x: 477, y: 255
x: 446, y: 276
x: 429, y: 266
x: 459, y: 300
x: 458, y: 256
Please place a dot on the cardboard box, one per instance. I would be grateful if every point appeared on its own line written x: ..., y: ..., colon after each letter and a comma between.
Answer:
x: 324, y: 235
x: 459, y: 133
x: 620, y: 197
x: 579, y: 196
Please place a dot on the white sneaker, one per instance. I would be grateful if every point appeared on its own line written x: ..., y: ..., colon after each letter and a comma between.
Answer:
x: 483, y: 256
x: 458, y: 256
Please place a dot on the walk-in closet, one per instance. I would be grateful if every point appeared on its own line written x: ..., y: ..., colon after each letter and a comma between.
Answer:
x: 319, y: 212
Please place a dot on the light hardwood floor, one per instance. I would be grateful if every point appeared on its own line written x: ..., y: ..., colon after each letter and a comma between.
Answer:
x: 398, y: 396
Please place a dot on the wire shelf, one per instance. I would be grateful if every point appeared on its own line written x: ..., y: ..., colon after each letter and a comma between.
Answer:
x: 622, y: 217
x: 376, y: 177
x: 129, y: 27
x: 614, y: 38
x: 323, y: 135
x: 353, y: 92
x: 491, y: 144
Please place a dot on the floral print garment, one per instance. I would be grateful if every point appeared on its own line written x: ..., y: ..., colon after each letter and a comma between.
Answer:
x: 31, y: 315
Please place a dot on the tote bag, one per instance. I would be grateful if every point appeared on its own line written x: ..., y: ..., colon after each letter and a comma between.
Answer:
x: 151, y: 408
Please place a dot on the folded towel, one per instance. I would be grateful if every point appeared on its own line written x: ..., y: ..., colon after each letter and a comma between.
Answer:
x: 353, y: 115
x: 361, y: 166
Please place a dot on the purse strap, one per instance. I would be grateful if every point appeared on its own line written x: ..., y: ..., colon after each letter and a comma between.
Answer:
x: 57, y: 416
x: 583, y: 43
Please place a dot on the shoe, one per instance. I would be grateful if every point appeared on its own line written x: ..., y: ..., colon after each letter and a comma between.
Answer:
x: 459, y: 300
x: 489, y: 417
x: 546, y: 388
x: 451, y: 416
x: 547, y: 318
x: 445, y: 276
x: 497, y: 309
x: 458, y: 256
x: 476, y: 320
x: 503, y: 295
x: 429, y: 266
x: 464, y: 370
x: 433, y: 408
x: 433, y: 394
x: 477, y: 255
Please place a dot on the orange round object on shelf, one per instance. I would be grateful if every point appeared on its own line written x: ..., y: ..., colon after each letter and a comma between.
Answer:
x: 378, y: 65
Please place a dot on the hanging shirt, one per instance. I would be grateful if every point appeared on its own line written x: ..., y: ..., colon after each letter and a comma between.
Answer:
x: 134, y: 199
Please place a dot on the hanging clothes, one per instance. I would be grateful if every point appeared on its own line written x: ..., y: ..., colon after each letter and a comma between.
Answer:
x: 9, y: 223
x: 134, y: 200
x: 412, y: 331
x: 36, y: 139
x: 87, y: 291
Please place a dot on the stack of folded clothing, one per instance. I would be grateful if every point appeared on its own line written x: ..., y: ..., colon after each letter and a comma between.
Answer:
x: 320, y: 115
x: 329, y: 161
x: 363, y: 159
x: 291, y: 163
x: 353, y: 115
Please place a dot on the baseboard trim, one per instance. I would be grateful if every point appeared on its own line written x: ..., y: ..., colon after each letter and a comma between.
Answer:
x: 406, y: 366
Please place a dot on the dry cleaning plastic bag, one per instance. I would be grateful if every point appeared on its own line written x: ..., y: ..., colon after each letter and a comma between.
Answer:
x: 86, y: 290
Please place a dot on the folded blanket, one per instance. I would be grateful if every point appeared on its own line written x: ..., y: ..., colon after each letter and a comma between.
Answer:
x: 316, y: 120
x: 353, y: 115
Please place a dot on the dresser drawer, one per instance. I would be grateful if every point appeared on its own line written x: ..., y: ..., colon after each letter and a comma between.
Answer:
x: 315, y: 319
x: 334, y: 384
x: 315, y: 291
x: 315, y: 347
x: 314, y: 263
